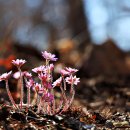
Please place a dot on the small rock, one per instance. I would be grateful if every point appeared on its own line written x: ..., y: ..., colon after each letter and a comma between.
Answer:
x: 109, y: 124
x: 124, y: 123
x: 99, y: 119
x: 88, y: 127
x: 74, y: 124
x: 59, y: 118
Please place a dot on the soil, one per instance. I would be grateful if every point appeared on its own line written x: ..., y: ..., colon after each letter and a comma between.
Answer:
x: 104, y: 106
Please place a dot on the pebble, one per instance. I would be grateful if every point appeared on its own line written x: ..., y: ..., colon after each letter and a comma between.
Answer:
x: 88, y: 127
x: 109, y: 124
x: 60, y: 118
x: 123, y: 123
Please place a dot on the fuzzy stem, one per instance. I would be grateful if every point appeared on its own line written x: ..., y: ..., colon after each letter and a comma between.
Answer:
x: 49, y: 110
x: 59, y: 107
x: 63, y: 94
x: 40, y: 104
x: 73, y: 94
x: 28, y: 92
x: 47, y: 62
x: 10, y: 96
x: 39, y: 107
x: 34, y: 99
x: 53, y: 103
x: 22, y: 88
x: 68, y: 104
x: 72, y: 98
x: 53, y: 106
x: 38, y: 100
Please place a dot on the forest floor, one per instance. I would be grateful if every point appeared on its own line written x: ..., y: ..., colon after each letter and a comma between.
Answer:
x: 99, y: 105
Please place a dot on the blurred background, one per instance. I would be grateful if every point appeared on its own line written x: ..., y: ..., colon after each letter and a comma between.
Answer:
x: 91, y: 35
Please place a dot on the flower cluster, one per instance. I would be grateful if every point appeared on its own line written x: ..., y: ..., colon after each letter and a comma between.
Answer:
x: 44, y: 94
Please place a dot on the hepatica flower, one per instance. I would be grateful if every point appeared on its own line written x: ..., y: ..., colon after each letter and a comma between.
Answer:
x: 27, y: 74
x: 72, y: 80
x: 16, y: 75
x: 39, y: 69
x: 64, y: 72
x: 48, y: 85
x: 42, y: 77
x: 5, y: 76
x: 48, y: 97
x: 30, y: 83
x: 49, y: 56
x: 37, y: 87
x: 57, y: 82
x: 41, y: 91
x: 18, y: 62
x: 50, y: 67
x: 71, y: 70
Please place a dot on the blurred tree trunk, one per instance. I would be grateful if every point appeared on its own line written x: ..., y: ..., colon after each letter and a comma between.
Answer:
x: 77, y: 21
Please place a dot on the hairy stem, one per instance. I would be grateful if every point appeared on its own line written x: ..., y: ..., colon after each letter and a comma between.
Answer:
x: 69, y: 103
x: 47, y: 62
x: 39, y: 108
x: 72, y: 98
x: 39, y: 105
x: 10, y: 96
x: 63, y: 94
x: 22, y: 88
x: 58, y: 110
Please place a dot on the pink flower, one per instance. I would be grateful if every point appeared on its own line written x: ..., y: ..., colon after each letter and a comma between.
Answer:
x: 41, y: 91
x: 64, y: 72
x: 39, y: 69
x: 16, y: 75
x: 27, y: 74
x: 72, y: 80
x: 71, y: 70
x: 47, y: 85
x: 45, y: 71
x: 44, y: 77
x: 5, y: 76
x: 48, y: 97
x: 57, y: 82
x: 30, y: 83
x: 49, y: 56
x: 18, y: 62
x: 37, y: 87
x: 51, y: 67
x: 48, y: 69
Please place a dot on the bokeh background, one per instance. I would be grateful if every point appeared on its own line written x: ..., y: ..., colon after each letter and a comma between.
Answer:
x: 91, y: 35
x: 39, y: 22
